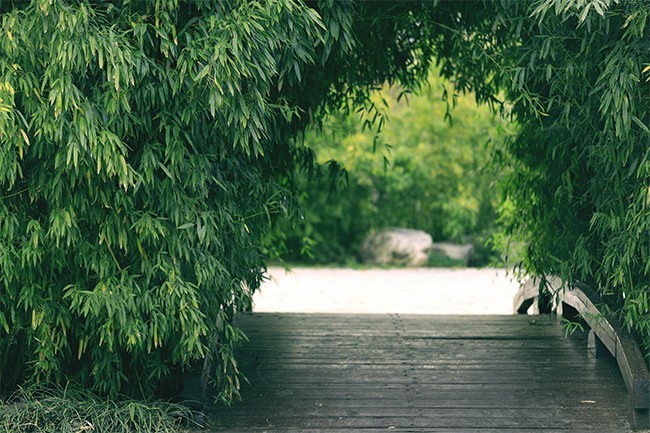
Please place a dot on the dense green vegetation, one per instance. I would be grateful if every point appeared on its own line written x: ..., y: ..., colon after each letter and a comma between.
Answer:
x: 147, y: 147
x: 70, y: 410
x: 579, y: 183
x: 422, y: 171
x: 134, y: 183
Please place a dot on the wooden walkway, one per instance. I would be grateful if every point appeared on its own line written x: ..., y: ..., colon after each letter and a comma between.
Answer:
x: 392, y: 373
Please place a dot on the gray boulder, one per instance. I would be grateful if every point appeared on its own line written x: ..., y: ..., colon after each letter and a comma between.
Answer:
x: 453, y: 251
x: 396, y: 246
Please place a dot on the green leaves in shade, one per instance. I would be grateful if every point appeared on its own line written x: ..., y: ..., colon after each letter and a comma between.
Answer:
x: 134, y: 184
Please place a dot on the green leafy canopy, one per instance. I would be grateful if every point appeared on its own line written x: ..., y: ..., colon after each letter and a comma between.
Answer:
x: 134, y: 186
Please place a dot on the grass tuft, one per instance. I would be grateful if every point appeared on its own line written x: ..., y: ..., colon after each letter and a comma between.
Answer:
x: 67, y: 410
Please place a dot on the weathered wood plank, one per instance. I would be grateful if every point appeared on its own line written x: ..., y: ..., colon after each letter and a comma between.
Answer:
x: 335, y: 374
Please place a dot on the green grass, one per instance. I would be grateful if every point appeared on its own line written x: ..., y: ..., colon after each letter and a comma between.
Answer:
x: 439, y: 260
x: 48, y: 410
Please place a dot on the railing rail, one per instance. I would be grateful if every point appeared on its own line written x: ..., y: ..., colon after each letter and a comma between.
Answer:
x: 605, y: 334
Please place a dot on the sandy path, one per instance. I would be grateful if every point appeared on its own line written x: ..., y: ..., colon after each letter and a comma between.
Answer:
x: 404, y: 291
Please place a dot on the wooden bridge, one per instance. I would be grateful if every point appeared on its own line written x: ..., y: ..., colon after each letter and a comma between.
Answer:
x: 415, y: 373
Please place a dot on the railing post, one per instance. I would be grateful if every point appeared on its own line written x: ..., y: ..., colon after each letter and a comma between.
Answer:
x: 639, y: 418
x: 595, y: 347
x: 544, y: 302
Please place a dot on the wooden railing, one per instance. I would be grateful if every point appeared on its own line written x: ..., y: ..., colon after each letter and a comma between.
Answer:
x: 605, y: 335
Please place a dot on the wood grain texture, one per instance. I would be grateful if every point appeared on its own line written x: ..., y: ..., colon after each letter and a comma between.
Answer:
x: 371, y: 373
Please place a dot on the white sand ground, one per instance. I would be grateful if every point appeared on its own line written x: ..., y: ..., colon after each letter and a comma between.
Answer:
x: 403, y: 291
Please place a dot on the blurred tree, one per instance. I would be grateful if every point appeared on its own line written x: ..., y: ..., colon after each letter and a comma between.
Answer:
x: 422, y: 171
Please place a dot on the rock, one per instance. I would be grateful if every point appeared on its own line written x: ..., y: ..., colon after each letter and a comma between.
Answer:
x: 453, y: 251
x: 396, y: 246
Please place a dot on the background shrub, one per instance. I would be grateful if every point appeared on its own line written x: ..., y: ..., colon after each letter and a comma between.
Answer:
x: 428, y: 168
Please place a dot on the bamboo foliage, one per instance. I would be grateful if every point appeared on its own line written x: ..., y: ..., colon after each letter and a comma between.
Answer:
x: 131, y: 168
x: 581, y: 166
